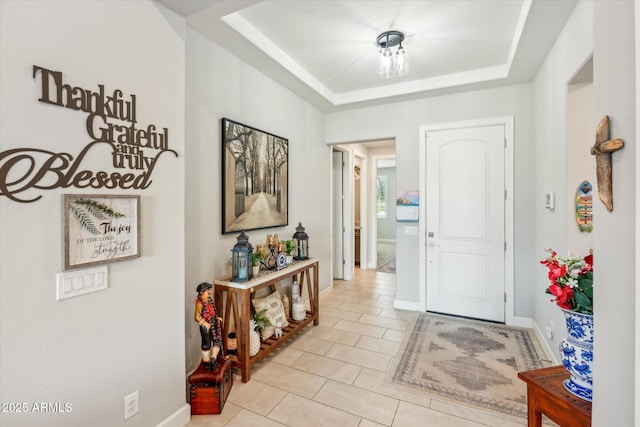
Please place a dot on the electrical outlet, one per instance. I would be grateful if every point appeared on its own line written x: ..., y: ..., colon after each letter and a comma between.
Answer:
x: 131, y: 404
x: 549, y: 332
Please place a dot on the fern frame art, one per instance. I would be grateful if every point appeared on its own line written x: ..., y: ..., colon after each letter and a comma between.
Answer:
x: 100, y: 229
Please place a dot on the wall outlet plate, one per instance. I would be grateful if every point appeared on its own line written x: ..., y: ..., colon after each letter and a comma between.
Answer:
x: 131, y: 404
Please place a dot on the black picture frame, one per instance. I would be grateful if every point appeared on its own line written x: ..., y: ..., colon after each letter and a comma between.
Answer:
x: 255, y: 178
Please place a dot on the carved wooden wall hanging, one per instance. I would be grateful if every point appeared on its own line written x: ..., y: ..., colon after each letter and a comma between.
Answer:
x: 602, y: 149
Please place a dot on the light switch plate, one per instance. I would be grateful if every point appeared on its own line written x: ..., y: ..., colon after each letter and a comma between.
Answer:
x: 410, y: 230
x: 550, y: 200
x: 79, y: 282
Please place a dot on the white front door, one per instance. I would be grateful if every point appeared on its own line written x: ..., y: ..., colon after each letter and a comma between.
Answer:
x: 465, y: 222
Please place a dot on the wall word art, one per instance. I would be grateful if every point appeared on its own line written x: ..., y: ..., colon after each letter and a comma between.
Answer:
x: 132, y: 149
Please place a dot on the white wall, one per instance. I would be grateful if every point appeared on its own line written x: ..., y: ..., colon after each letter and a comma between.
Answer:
x: 220, y: 85
x: 613, y: 235
x: 614, y: 245
x: 572, y: 49
x: 91, y: 351
x: 637, y: 223
x: 403, y: 122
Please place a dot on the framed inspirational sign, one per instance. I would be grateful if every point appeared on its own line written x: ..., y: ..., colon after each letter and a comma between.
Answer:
x: 100, y: 229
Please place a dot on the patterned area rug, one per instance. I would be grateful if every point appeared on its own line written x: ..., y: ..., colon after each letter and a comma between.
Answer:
x: 469, y: 362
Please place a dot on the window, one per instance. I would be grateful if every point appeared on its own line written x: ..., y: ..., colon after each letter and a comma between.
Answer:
x: 381, y: 196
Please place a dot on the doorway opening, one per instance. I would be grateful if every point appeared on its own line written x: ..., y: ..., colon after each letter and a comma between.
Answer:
x: 580, y: 174
x: 385, y: 190
x: 338, y: 213
x: 354, y: 227
x: 357, y: 210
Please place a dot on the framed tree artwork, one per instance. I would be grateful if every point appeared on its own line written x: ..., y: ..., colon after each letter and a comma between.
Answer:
x: 255, y: 178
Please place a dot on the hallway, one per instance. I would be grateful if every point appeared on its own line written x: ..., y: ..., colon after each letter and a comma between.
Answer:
x: 331, y: 374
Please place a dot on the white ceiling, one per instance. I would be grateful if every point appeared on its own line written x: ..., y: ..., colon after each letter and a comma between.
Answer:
x: 326, y: 51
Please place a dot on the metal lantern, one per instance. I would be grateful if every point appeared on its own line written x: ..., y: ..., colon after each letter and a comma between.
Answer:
x: 300, y: 243
x: 241, y: 270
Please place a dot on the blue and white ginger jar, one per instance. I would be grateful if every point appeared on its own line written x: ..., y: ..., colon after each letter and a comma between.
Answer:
x: 577, y: 354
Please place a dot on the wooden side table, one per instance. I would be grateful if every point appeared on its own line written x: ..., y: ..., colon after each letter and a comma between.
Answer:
x: 546, y: 395
x: 234, y: 300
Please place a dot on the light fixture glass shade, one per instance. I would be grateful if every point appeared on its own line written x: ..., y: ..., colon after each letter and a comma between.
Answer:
x: 386, y: 63
x: 401, y: 62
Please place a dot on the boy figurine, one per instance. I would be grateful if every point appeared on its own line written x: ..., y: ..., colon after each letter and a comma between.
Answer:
x: 206, y: 316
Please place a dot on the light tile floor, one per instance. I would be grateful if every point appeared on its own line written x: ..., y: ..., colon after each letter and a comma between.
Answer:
x: 332, y: 374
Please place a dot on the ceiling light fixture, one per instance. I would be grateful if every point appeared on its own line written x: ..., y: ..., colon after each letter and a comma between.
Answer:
x: 389, y: 64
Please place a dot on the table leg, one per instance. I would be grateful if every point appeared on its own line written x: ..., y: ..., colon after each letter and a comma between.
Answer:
x: 316, y: 309
x: 534, y: 416
x: 244, y: 322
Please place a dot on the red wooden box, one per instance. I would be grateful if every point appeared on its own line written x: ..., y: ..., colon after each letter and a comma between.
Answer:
x: 209, y: 389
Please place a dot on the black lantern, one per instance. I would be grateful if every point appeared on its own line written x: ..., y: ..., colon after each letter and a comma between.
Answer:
x: 241, y: 259
x: 300, y: 243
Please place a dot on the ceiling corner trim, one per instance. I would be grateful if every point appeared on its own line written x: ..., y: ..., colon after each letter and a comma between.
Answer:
x: 404, y: 88
x: 522, y: 20
x: 260, y: 42
x: 249, y: 32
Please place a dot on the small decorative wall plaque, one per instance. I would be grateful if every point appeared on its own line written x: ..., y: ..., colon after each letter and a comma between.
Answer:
x: 407, y: 206
x: 100, y: 229
x: 584, y: 207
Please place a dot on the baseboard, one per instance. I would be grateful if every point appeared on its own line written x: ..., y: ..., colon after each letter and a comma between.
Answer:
x: 406, y: 305
x: 180, y: 418
x: 551, y: 355
x: 529, y: 323
x: 523, y: 322
x: 326, y: 291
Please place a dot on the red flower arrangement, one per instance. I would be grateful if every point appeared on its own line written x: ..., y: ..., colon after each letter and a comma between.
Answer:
x: 571, y: 281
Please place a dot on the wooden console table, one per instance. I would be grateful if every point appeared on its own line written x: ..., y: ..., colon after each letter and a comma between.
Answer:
x: 235, y: 297
x: 546, y: 395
